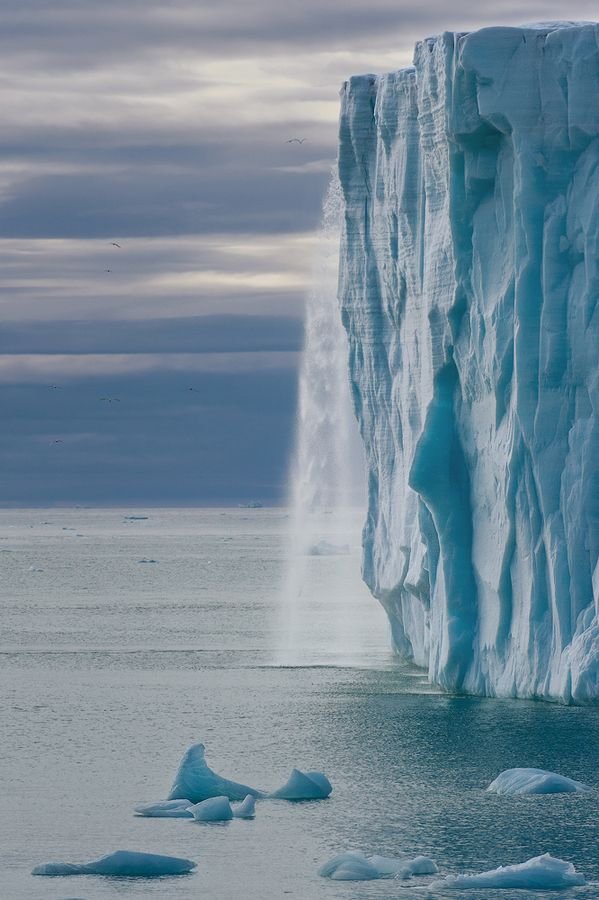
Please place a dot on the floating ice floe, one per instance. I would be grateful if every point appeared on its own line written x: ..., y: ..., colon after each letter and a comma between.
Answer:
x: 304, y: 786
x: 355, y: 866
x: 539, y: 873
x: 124, y: 864
x: 534, y: 781
x: 196, y: 782
x: 324, y: 548
x: 215, y: 809
x: 247, y: 809
x: 166, y: 809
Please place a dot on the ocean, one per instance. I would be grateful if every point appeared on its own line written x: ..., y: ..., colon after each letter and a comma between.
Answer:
x: 129, y: 634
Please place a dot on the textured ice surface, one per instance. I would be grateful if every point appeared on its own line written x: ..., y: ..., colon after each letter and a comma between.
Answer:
x: 123, y: 863
x: 534, y: 781
x: 195, y: 781
x: 304, y: 786
x: 540, y: 873
x: 247, y: 809
x: 355, y: 866
x: 215, y: 809
x: 468, y: 286
x: 166, y: 809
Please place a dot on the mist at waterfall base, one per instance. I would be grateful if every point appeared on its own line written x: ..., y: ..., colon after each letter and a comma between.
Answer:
x: 327, y: 615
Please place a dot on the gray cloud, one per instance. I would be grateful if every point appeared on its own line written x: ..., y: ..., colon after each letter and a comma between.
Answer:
x: 192, y: 335
x: 163, y: 126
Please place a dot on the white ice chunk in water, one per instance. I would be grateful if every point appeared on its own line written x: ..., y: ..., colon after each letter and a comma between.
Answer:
x: 351, y: 866
x: 355, y: 866
x: 195, y: 781
x: 403, y: 868
x: 215, y: 809
x: 166, y: 809
x: 124, y: 864
x: 304, y: 786
x: 534, y: 781
x: 247, y: 809
x: 539, y: 873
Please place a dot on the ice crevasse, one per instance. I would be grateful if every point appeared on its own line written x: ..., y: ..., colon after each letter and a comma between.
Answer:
x: 469, y: 289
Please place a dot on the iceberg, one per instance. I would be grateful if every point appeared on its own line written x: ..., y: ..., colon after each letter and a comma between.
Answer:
x: 355, y: 866
x: 534, y: 781
x: 351, y: 866
x: 196, y: 782
x: 247, y: 809
x: 124, y: 864
x: 304, y: 786
x: 544, y: 873
x: 215, y: 809
x: 403, y: 868
x: 469, y: 274
x: 166, y: 809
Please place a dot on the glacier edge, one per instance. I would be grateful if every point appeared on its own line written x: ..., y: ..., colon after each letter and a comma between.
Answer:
x: 469, y: 279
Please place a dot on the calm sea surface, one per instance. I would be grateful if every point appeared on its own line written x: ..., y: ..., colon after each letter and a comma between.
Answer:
x: 111, y: 667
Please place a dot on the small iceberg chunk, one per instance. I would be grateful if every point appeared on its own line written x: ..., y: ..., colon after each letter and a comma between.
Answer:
x: 304, y: 786
x: 215, y: 809
x: 350, y: 866
x: 534, y: 781
x: 403, y: 868
x: 247, y: 809
x: 355, y: 866
x: 197, y: 782
x: 123, y: 864
x: 544, y: 873
x: 166, y: 809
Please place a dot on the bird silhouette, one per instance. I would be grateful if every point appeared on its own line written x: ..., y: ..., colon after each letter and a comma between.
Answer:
x: 296, y: 140
x: 56, y: 442
x: 114, y: 244
x: 110, y: 399
x: 108, y: 270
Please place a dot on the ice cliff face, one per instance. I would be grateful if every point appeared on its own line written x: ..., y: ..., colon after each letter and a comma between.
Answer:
x: 469, y: 287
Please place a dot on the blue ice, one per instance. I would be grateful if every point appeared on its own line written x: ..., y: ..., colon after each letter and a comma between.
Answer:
x: 124, y: 864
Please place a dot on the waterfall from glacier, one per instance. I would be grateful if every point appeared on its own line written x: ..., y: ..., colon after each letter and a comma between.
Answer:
x: 325, y: 606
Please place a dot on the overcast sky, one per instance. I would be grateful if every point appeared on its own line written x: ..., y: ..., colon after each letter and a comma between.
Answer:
x: 162, y: 126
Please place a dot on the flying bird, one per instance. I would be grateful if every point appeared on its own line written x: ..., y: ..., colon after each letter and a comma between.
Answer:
x: 108, y: 270
x: 114, y: 244
x: 111, y: 399
x: 296, y: 140
x: 56, y: 442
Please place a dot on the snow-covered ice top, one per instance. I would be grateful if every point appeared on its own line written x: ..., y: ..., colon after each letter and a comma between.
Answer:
x: 540, y: 873
x: 534, y: 781
x: 469, y: 277
x: 123, y: 864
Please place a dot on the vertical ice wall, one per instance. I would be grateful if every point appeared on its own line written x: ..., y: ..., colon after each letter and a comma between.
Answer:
x: 469, y: 283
